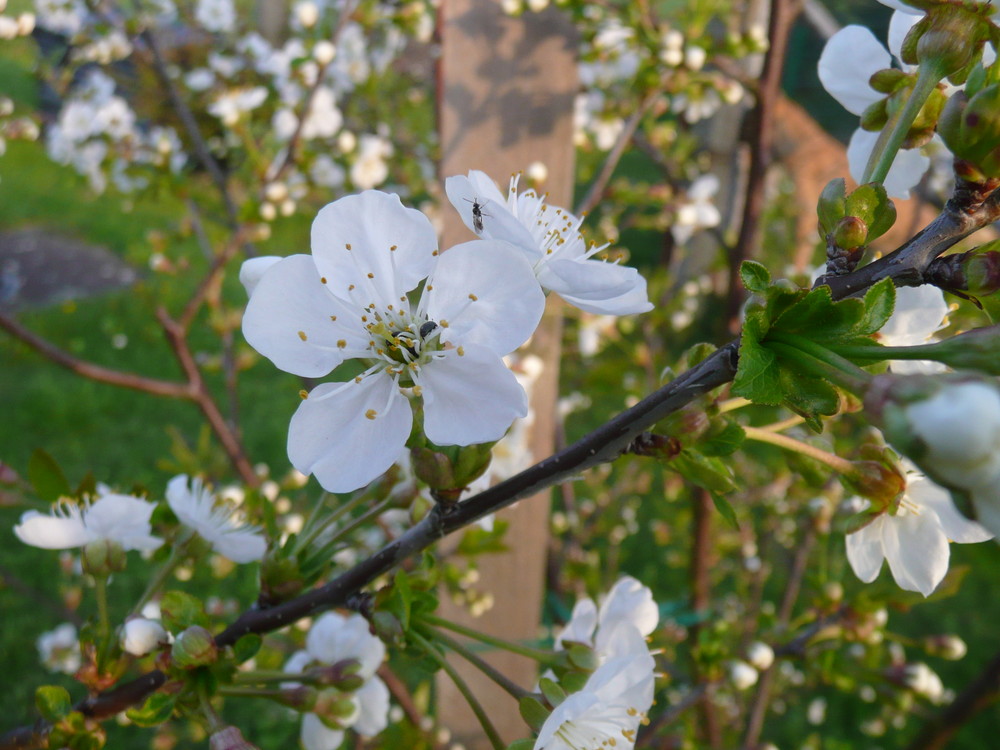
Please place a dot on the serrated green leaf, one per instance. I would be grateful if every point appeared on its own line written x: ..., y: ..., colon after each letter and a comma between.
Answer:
x: 757, y: 373
x: 865, y: 201
x: 156, y: 710
x: 809, y: 396
x: 880, y: 301
x: 46, y: 477
x: 756, y: 278
x: 533, y: 712
x: 246, y: 647
x: 180, y: 610
x: 704, y: 471
x: 819, y: 318
x: 53, y: 702
x: 726, y: 509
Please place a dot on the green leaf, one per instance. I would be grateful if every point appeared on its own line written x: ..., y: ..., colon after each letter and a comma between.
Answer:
x: 711, y: 473
x: 831, y: 205
x: 726, y: 509
x: 156, y: 710
x: 880, y: 300
x: 757, y: 373
x: 756, y: 278
x: 809, y: 396
x: 180, y: 610
x: 402, y: 599
x: 246, y: 647
x: 46, y: 477
x: 533, y: 712
x: 53, y: 702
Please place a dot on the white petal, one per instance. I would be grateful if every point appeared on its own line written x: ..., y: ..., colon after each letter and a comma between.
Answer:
x: 956, y: 527
x: 899, y: 26
x: 864, y: 550
x: 290, y: 320
x: 124, y: 519
x: 508, y: 300
x: 469, y: 398
x: 988, y: 508
x: 373, y: 717
x: 322, y: 638
x: 848, y: 61
x: 372, y: 223
x: 905, y: 172
x: 632, y: 602
x: 597, y: 286
x: 318, y: 736
x: 918, y: 314
x: 52, y: 532
x: 240, y: 545
x: 903, y: 7
x: 917, y: 550
x: 620, y: 638
x: 464, y: 191
x: 253, y: 270
x: 332, y: 437
x: 581, y: 625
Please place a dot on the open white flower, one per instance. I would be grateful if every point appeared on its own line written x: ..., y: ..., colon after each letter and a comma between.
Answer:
x: 549, y: 237
x: 348, y: 301
x: 59, y: 649
x: 140, y: 636
x: 849, y: 60
x: 117, y: 518
x: 332, y: 639
x: 698, y: 211
x: 607, y: 711
x: 628, y: 602
x: 914, y: 541
x: 196, y: 508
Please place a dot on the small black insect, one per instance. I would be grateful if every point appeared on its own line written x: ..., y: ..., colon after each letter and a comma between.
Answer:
x: 477, y: 214
x: 427, y: 328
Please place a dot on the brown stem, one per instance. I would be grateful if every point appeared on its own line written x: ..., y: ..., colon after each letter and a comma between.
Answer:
x: 177, y: 338
x: 89, y: 370
x: 977, y: 695
x: 761, y: 136
x: 211, y: 278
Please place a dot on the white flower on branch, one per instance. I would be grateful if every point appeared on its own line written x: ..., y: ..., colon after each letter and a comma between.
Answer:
x: 608, y: 710
x: 628, y: 602
x: 122, y: 519
x: 196, y: 508
x: 914, y: 539
x: 232, y: 105
x: 849, y: 60
x: 216, y: 15
x: 549, y: 237
x: 348, y: 301
x: 140, y: 636
x: 59, y: 649
x: 332, y: 640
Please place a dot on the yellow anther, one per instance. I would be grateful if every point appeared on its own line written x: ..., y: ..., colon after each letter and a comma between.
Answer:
x: 341, y: 344
x: 333, y: 317
x: 371, y: 275
x: 434, y: 254
x: 357, y: 378
x: 443, y: 323
x: 303, y: 394
x: 473, y: 297
x: 350, y: 288
x: 429, y: 287
x: 371, y: 414
x: 347, y: 245
x: 302, y: 335
x: 461, y: 351
x: 417, y: 390
x: 322, y: 279
x: 392, y: 248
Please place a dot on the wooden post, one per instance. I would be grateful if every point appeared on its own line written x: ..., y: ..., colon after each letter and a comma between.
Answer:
x: 506, y: 90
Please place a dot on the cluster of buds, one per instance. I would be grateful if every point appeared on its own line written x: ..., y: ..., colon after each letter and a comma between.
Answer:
x: 848, y: 222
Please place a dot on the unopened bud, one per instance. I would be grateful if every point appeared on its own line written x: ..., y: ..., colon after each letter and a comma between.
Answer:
x: 949, y: 647
x: 307, y: 14
x: 103, y: 557
x: 301, y: 698
x: 950, y: 37
x: 448, y: 470
x: 880, y: 483
x: 760, y: 655
x: 970, y: 129
x: 343, y: 675
x: 887, y: 81
x: 742, y: 675
x: 324, y: 52
x: 975, y: 273
x: 335, y: 709
x: 850, y: 233
x: 140, y: 636
x: 194, y: 647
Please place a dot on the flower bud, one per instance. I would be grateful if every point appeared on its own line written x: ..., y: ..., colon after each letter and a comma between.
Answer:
x: 343, y: 675
x: 300, y: 698
x: 194, y: 647
x: 850, y: 233
x: 140, y: 636
x: 229, y: 738
x: 307, y: 14
x: 888, y: 81
x: 324, y: 52
x: 949, y: 647
x: 877, y: 481
x: 448, y: 470
x: 335, y: 709
x: 970, y: 129
x: 760, y: 655
x: 950, y: 37
x: 975, y: 273
x: 742, y: 675
x: 103, y: 557
x: 924, y: 681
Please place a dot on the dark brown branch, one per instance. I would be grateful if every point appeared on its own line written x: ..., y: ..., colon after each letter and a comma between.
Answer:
x: 89, y: 370
x: 976, y: 696
x: 761, y: 125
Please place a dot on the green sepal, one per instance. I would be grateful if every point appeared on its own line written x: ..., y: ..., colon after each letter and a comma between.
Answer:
x: 832, y: 204
x: 53, y: 702
x: 180, y: 611
x: 553, y: 693
x: 533, y: 712
x: 157, y: 709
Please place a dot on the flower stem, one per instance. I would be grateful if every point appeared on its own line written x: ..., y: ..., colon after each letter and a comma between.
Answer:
x: 540, y: 655
x: 894, y: 132
x: 820, y: 361
x: 733, y: 403
x: 215, y: 724
x: 177, y: 556
x: 310, y: 536
x: 250, y: 692
x: 515, y: 691
x: 103, y: 620
x: 832, y: 460
x: 267, y: 675
x: 880, y: 353
x: 324, y: 552
x: 463, y: 688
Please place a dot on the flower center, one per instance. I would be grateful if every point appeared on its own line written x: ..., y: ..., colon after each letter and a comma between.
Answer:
x: 399, y: 337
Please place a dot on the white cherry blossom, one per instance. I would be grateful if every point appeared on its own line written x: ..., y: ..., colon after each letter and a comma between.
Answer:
x: 914, y: 541
x: 627, y: 602
x: 697, y: 211
x: 919, y: 313
x: 848, y: 61
x: 549, y: 237
x: 349, y: 301
x: 59, y: 649
x: 117, y: 518
x: 196, y: 508
x: 607, y: 711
